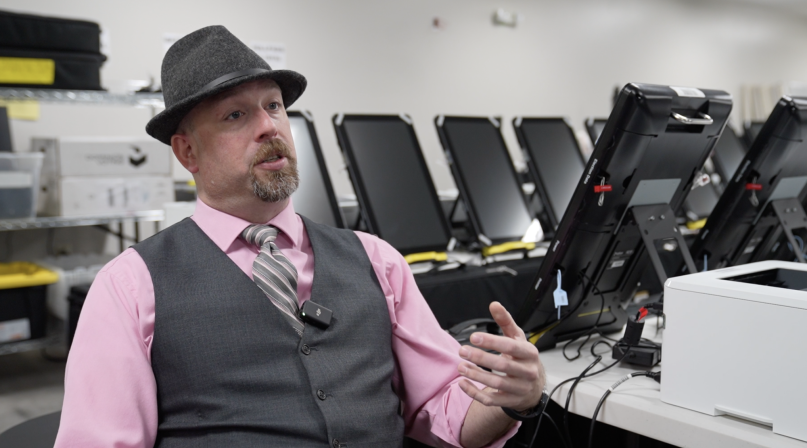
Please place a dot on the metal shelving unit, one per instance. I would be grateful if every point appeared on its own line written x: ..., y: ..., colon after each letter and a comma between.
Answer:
x: 56, y: 336
x: 100, y: 221
x: 60, y: 221
x: 53, y: 340
x: 83, y: 97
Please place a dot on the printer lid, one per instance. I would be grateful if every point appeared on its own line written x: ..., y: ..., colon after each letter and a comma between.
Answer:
x: 781, y: 283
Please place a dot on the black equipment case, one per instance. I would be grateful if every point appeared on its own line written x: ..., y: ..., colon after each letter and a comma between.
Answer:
x: 29, y: 42
x: 78, y: 294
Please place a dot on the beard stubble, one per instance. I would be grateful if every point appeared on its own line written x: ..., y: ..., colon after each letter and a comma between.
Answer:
x: 277, y: 185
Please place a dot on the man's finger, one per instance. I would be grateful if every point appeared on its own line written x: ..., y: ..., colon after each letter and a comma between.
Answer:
x: 498, y: 363
x: 487, y: 397
x: 501, y: 383
x: 474, y: 392
x: 519, y: 349
x: 505, y: 321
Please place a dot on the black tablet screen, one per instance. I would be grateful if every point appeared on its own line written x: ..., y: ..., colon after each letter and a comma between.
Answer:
x: 554, y: 152
x: 311, y: 199
x: 489, y: 178
x: 396, y: 183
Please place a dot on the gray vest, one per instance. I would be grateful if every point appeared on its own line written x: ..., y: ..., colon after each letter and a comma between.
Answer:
x: 231, y: 372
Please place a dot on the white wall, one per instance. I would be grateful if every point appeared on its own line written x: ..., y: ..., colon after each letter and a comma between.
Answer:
x: 385, y: 57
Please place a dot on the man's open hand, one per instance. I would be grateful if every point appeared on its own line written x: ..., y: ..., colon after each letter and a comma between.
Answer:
x: 522, y: 384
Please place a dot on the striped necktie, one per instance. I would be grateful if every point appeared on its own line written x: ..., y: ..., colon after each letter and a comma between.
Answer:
x: 274, y: 273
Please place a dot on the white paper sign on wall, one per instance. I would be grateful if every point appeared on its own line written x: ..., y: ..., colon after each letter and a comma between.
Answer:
x: 169, y: 39
x: 272, y: 52
x: 106, y: 42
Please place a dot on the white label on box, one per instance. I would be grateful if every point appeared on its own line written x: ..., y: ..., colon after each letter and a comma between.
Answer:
x: 15, y: 330
x: 16, y: 179
x: 689, y: 91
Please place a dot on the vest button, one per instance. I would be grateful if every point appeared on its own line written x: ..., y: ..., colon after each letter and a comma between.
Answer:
x: 306, y: 349
x: 321, y: 395
x: 335, y: 443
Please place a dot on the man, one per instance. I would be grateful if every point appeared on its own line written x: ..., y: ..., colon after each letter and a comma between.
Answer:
x: 176, y: 347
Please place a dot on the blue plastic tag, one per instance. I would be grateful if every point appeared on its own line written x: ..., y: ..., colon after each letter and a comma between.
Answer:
x: 561, y: 299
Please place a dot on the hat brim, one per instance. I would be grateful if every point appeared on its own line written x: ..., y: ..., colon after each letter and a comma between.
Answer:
x: 164, y: 125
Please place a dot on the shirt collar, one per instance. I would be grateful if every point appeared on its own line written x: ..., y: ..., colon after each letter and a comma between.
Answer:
x: 224, y: 228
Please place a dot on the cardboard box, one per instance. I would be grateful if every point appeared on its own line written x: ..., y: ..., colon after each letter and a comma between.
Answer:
x: 83, y: 176
x: 103, y: 156
x: 88, y: 196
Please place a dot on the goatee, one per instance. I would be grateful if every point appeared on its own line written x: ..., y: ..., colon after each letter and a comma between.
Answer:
x: 280, y: 184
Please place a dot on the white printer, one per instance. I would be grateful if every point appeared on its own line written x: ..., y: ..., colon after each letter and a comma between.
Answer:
x: 736, y: 344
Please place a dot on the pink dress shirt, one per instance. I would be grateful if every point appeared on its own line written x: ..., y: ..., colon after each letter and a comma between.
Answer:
x: 110, y: 391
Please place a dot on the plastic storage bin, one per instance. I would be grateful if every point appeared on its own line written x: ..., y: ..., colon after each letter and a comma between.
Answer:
x: 19, y: 184
x: 73, y: 269
x: 78, y: 294
x: 23, y: 295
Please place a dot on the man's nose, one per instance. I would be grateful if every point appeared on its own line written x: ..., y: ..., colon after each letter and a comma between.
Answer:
x: 266, y: 129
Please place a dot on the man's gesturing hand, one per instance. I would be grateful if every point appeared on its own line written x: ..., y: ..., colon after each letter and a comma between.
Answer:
x: 522, y: 384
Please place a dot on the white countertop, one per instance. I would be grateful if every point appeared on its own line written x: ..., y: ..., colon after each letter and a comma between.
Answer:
x: 637, y: 407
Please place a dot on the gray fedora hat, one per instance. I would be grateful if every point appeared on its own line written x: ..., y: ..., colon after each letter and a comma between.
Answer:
x: 204, y: 63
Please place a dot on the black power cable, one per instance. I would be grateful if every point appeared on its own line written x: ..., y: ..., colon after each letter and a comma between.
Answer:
x: 585, y: 376
x: 557, y: 429
x: 654, y: 375
x: 569, y: 397
x: 595, y: 290
x: 582, y: 376
x: 538, y: 426
x: 560, y: 434
x: 594, y: 346
x: 585, y: 373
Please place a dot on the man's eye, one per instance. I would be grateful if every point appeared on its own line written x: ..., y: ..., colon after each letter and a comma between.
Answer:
x: 235, y: 115
x: 274, y: 106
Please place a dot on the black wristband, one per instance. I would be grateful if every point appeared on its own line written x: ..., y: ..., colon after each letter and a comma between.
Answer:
x: 531, y: 413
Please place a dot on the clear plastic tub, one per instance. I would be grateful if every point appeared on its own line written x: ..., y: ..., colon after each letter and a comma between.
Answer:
x: 19, y: 184
x: 73, y: 269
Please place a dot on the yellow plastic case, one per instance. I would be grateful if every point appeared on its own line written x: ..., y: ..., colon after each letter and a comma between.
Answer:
x: 426, y: 256
x: 23, y: 274
x: 507, y: 247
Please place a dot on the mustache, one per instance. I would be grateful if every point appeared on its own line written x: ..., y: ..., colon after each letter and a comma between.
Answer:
x: 270, y: 149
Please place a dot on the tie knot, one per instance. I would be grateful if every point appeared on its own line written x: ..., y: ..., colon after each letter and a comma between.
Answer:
x: 259, y: 234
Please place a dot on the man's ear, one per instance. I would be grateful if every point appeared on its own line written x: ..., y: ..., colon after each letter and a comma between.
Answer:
x: 185, y: 152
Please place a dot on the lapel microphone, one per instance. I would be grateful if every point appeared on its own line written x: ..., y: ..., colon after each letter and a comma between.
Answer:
x: 316, y: 314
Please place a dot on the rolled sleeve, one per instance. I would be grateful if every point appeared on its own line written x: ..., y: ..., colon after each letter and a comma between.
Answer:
x: 427, y: 356
x: 110, y: 391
